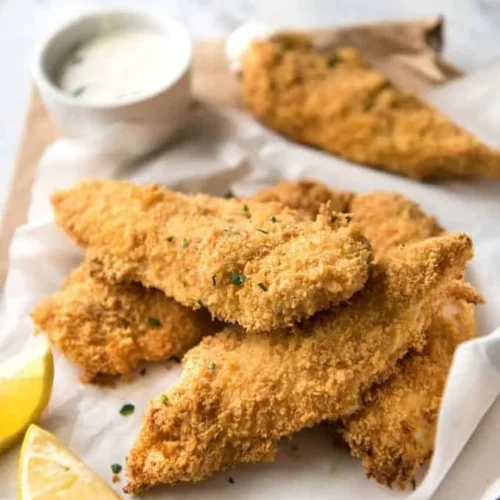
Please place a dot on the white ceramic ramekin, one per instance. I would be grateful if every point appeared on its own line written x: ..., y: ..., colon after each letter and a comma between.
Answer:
x: 140, y: 124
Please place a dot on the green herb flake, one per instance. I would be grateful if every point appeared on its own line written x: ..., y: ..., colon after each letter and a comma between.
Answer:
x: 116, y: 468
x: 237, y: 278
x: 348, y: 218
x: 262, y: 286
x: 127, y: 409
x: 332, y: 61
x: 229, y: 194
x: 273, y: 219
x: 185, y: 243
x: 164, y: 399
x: 231, y: 480
x: 333, y: 218
x: 214, y: 280
x: 262, y: 231
x: 386, y: 84
x: 154, y: 322
x: 200, y: 303
x: 76, y: 60
x: 246, y: 210
x: 368, y: 105
x: 78, y: 91
x: 170, y: 238
x: 212, y: 366
x: 143, y: 372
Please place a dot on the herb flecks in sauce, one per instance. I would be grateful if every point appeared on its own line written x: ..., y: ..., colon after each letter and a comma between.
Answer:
x: 79, y: 91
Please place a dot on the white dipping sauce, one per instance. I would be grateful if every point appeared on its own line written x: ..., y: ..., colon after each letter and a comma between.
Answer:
x: 118, y: 66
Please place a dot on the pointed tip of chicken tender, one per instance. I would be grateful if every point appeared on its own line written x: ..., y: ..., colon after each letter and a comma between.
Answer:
x: 241, y: 392
x: 261, y: 265
x: 337, y: 101
x: 110, y: 329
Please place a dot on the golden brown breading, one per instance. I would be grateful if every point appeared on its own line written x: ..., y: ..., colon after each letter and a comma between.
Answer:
x: 338, y: 102
x: 306, y: 195
x: 394, y: 433
x: 390, y: 219
x: 111, y: 329
x: 241, y: 392
x: 261, y: 265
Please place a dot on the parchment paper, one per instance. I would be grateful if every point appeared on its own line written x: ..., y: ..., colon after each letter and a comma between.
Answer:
x: 224, y: 148
x: 407, y: 51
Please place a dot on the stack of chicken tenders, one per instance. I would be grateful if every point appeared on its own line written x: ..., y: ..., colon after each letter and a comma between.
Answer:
x: 298, y: 306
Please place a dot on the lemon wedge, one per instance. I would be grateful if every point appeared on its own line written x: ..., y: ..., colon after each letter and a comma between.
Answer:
x: 48, y: 470
x: 25, y: 387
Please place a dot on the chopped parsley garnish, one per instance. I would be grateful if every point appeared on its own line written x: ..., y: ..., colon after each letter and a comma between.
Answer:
x: 143, y: 372
x: 229, y: 194
x: 176, y: 359
x: 264, y: 287
x: 200, y: 303
x: 273, y: 219
x: 368, y: 105
x: 246, y: 209
x: 332, y: 61
x: 237, y: 278
x: 154, y: 322
x: 164, y: 399
x: 185, y: 243
x: 78, y: 92
x: 170, y: 238
x: 262, y: 231
x: 333, y: 218
x: 348, y: 218
x: 386, y: 85
x: 231, y: 480
x: 127, y: 409
x: 77, y: 59
x: 212, y: 366
x: 214, y: 280
x: 116, y: 468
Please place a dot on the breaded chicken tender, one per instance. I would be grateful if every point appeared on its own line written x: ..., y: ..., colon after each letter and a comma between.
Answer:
x: 338, y: 102
x: 241, y: 392
x: 394, y: 433
x: 306, y: 195
x: 390, y: 219
x: 111, y: 330
x: 261, y: 265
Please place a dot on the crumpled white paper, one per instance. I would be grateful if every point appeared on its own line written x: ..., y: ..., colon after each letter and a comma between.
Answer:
x: 223, y: 149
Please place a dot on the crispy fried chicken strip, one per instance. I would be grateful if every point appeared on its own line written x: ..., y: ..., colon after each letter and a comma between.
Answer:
x: 338, y: 102
x: 241, y: 392
x: 261, y: 265
x: 306, y: 196
x: 394, y: 432
x: 390, y: 219
x: 111, y: 330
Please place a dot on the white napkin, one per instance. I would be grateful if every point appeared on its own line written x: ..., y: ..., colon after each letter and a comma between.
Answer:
x: 222, y: 149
